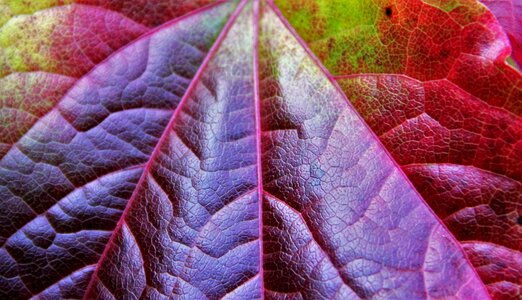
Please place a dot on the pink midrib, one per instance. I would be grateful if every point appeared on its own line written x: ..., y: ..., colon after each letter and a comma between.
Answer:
x: 257, y: 102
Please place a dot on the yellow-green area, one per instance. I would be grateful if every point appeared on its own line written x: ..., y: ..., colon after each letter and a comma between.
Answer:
x: 25, y: 43
x: 342, y: 33
x: 369, y: 36
x: 11, y: 8
x: 319, y: 18
x: 510, y: 61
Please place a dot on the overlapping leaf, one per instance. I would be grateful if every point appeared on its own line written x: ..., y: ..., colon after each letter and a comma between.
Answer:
x: 508, y: 13
x: 204, y: 161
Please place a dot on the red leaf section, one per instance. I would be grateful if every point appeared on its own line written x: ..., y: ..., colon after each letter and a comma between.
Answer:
x: 466, y: 48
x: 64, y: 184
x: 494, y: 262
x: 509, y: 14
x: 266, y: 183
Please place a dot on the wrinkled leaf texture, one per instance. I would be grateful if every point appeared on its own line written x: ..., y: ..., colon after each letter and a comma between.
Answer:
x: 215, y: 157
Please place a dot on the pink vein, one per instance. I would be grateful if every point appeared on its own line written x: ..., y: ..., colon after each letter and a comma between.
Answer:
x: 164, y: 137
x: 258, y: 144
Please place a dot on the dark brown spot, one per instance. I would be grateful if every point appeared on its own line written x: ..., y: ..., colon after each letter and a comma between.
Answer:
x: 444, y: 53
x: 519, y: 220
x: 331, y: 44
x: 388, y: 11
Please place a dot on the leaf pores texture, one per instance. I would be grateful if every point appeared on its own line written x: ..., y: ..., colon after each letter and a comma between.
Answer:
x: 261, y: 184
x: 65, y: 183
x: 338, y: 219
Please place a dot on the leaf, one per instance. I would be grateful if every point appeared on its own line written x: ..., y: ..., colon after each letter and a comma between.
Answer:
x: 508, y: 14
x: 431, y: 80
x: 239, y: 171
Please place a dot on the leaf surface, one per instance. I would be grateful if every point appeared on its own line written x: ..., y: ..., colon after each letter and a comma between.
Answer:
x: 148, y: 13
x: 244, y: 191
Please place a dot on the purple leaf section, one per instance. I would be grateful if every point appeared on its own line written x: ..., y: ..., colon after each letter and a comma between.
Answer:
x: 200, y: 188
x: 64, y: 184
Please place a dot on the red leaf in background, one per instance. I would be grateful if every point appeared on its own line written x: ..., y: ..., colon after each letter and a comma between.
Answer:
x: 203, y: 161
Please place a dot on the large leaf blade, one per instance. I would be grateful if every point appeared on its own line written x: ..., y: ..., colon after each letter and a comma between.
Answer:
x: 304, y: 125
x: 347, y: 190
x: 251, y: 182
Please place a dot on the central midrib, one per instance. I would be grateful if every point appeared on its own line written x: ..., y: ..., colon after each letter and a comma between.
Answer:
x: 257, y: 108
